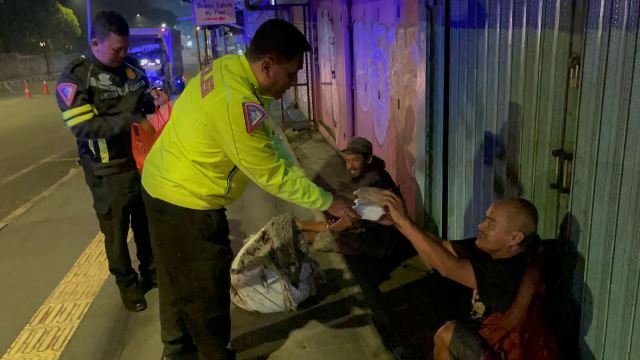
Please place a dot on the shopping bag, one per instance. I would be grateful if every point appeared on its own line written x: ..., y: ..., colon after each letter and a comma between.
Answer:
x: 142, y: 140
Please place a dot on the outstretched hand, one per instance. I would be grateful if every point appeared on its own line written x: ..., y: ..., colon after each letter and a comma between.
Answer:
x: 340, y: 209
x: 386, y: 220
x: 396, y: 210
x: 159, y: 96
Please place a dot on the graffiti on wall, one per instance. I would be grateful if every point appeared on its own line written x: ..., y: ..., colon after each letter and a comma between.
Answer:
x: 390, y: 92
x: 373, y: 43
x: 409, y: 90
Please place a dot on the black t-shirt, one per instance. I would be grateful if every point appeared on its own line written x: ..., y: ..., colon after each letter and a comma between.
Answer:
x: 498, y: 280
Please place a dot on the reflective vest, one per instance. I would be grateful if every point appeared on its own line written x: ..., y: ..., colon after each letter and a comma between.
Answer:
x: 219, y: 138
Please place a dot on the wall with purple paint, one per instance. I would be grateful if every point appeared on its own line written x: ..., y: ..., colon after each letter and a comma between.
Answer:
x: 389, y: 61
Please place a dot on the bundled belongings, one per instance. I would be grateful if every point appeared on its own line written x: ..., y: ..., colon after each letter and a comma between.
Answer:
x: 273, y: 271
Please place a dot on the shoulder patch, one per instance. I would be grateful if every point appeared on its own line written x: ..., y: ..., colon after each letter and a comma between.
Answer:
x: 254, y: 115
x: 67, y: 91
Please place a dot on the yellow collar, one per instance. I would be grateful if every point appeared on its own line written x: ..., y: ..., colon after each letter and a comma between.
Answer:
x: 253, y: 82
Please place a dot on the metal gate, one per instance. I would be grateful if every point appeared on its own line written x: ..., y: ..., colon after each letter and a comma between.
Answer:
x: 544, y: 102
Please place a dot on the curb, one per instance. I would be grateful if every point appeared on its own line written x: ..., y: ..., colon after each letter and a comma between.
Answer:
x: 14, y: 87
x: 38, y: 78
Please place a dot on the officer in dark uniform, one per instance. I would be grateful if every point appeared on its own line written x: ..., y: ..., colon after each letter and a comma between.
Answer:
x: 100, y: 95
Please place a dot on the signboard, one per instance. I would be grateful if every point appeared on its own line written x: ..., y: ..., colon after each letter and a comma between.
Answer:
x: 144, y: 48
x: 214, y: 12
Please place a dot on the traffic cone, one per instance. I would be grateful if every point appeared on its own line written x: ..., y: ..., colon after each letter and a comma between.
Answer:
x: 27, y: 93
x: 45, y: 87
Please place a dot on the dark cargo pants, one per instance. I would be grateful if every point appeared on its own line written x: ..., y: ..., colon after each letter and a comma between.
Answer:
x: 117, y: 200
x: 194, y: 257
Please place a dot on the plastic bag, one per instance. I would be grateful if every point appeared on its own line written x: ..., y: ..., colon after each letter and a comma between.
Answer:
x: 369, y: 203
x: 142, y: 141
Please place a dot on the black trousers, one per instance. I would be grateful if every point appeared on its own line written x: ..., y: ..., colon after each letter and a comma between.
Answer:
x: 372, y: 251
x: 194, y: 257
x: 117, y: 200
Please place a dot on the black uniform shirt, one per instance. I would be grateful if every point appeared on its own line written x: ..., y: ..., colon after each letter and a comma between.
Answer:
x: 99, y: 104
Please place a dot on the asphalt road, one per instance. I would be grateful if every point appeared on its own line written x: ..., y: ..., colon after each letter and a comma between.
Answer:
x: 36, y: 150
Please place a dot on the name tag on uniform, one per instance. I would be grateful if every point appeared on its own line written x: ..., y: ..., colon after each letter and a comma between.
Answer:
x: 109, y: 95
x: 254, y: 115
x: 137, y: 85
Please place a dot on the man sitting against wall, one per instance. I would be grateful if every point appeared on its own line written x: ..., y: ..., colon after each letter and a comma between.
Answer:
x: 365, y: 170
x: 372, y: 250
x: 502, y: 266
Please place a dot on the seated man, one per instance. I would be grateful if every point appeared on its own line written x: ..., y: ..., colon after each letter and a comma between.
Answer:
x: 372, y: 250
x: 493, y: 265
x: 365, y: 170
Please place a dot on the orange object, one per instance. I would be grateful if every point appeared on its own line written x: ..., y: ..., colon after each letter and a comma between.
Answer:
x: 27, y: 93
x: 45, y: 87
x: 522, y: 333
x: 161, y: 116
x: 142, y: 140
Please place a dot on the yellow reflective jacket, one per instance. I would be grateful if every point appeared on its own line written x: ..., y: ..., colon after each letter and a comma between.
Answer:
x: 217, y: 140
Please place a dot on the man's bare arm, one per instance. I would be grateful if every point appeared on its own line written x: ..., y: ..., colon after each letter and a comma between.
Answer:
x: 439, y: 254
x: 447, y: 245
x: 431, y: 249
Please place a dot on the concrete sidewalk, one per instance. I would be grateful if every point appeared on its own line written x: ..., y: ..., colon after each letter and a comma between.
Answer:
x: 335, y: 324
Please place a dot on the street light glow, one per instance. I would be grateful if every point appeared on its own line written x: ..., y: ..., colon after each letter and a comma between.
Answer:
x: 137, y: 15
x: 164, y: 25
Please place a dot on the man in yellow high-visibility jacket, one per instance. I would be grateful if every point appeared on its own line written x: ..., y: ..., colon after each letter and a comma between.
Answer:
x: 215, y: 142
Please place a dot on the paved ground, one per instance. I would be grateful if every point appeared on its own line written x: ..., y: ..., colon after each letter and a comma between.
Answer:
x: 56, y: 301
x: 36, y: 149
x: 59, y: 301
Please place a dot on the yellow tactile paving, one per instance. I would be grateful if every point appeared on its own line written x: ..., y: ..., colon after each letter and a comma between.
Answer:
x: 53, y: 324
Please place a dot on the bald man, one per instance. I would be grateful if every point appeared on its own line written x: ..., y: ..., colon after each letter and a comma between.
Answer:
x: 492, y: 265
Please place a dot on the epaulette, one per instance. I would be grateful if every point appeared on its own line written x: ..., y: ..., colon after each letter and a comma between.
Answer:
x: 76, y: 62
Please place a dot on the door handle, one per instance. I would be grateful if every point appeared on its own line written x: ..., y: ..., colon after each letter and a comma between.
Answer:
x: 566, y: 173
x: 559, y: 155
x: 574, y: 70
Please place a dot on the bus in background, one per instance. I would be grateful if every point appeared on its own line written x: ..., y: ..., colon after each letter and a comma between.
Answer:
x: 159, y: 51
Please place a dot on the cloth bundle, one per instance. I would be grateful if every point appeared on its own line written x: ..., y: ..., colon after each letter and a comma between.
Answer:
x: 273, y: 271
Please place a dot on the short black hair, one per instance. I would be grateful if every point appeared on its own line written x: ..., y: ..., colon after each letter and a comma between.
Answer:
x: 528, y: 209
x: 107, y: 22
x: 277, y: 37
x: 531, y: 241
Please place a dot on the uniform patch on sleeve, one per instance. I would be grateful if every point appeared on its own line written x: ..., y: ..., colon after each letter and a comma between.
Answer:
x: 254, y: 115
x: 67, y: 91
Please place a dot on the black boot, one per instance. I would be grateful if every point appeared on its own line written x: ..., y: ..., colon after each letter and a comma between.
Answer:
x: 133, y: 297
x: 148, y: 281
